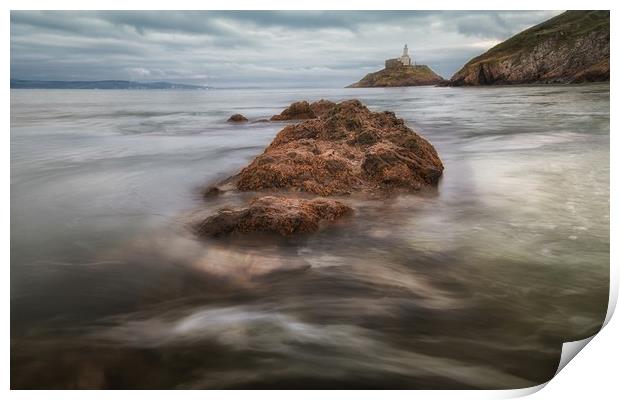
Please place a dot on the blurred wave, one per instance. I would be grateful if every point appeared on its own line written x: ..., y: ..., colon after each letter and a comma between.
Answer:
x: 474, y: 285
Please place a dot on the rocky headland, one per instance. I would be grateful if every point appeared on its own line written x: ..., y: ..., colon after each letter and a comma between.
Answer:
x: 337, y: 149
x: 570, y: 48
x: 400, y: 75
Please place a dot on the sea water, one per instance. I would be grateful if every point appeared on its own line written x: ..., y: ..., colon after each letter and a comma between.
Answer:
x: 474, y: 285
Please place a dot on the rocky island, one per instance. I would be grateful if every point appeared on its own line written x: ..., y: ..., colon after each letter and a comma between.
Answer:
x: 338, y: 149
x: 570, y: 48
x: 400, y: 71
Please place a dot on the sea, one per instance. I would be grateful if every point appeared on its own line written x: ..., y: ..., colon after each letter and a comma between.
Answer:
x: 473, y: 285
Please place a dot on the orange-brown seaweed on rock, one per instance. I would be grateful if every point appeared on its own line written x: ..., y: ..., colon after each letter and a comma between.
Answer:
x: 346, y: 149
x: 276, y: 215
x: 304, y: 110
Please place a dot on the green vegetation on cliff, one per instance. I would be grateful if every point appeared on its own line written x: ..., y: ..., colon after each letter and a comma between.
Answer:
x: 571, y: 47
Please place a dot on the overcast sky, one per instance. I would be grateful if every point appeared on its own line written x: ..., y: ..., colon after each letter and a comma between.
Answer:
x: 253, y: 48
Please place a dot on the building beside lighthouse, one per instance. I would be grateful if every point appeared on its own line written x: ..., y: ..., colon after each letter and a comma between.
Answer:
x: 401, y: 61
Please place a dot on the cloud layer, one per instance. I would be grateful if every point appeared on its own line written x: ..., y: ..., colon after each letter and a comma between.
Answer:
x: 249, y: 48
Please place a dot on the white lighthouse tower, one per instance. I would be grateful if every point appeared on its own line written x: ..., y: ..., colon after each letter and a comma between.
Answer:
x: 405, y: 59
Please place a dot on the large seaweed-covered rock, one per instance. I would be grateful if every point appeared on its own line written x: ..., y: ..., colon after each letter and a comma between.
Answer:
x: 340, y: 149
x: 346, y: 148
x: 276, y: 215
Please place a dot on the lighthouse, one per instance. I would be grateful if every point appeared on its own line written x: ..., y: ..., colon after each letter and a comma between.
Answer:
x: 405, y: 59
x: 399, y: 62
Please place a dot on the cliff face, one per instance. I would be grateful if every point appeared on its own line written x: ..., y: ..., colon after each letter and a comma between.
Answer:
x: 414, y: 75
x: 570, y: 48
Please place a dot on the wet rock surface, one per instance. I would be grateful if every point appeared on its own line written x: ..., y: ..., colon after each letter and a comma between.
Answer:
x: 297, y: 110
x: 277, y: 215
x: 237, y: 118
x: 304, y: 110
x: 322, y: 106
x: 348, y: 149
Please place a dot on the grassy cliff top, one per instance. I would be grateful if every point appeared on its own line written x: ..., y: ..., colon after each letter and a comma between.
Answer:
x: 566, y: 27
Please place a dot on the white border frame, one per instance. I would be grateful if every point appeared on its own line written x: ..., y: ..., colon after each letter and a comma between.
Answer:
x: 592, y: 374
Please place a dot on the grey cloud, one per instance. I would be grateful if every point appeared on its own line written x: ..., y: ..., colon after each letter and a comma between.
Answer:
x: 484, y: 26
x: 499, y: 25
x: 224, y: 48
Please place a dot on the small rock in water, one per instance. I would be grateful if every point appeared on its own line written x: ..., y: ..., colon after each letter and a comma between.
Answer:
x: 211, y: 191
x: 237, y: 118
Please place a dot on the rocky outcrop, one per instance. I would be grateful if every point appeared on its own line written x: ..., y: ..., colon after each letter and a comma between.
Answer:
x: 345, y: 148
x: 319, y: 108
x: 276, y: 215
x: 570, y: 48
x: 303, y: 110
x: 348, y: 149
x: 410, y: 75
x: 237, y: 118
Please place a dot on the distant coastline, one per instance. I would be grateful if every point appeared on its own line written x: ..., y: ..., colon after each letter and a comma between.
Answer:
x: 103, y: 84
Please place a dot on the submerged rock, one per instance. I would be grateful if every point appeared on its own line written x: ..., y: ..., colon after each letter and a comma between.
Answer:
x: 276, y: 215
x: 237, y: 118
x: 348, y: 148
